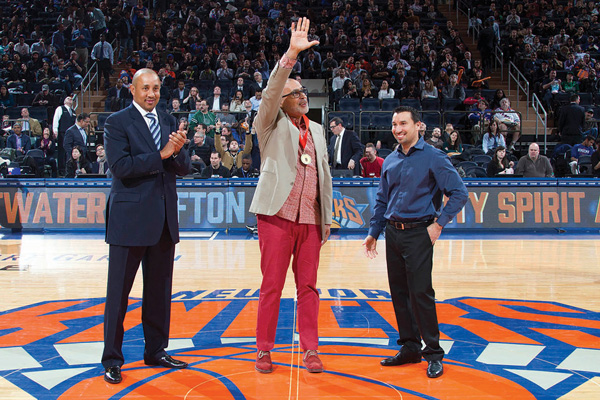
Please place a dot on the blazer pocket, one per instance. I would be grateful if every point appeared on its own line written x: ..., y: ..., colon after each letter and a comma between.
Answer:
x: 126, y: 197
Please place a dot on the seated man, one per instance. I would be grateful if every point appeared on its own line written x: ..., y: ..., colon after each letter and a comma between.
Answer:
x: 534, y: 165
x: 18, y: 141
x: 585, y: 148
x: 100, y: 166
x: 199, y: 148
x: 246, y: 171
x: 215, y: 169
x: 30, y: 126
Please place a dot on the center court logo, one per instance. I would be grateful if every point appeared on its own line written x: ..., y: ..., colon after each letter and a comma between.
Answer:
x: 346, y: 212
x: 523, y: 349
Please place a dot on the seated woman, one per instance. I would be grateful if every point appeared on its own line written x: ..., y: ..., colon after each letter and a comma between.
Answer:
x: 77, y: 164
x: 48, y: 147
x: 500, y: 164
x: 454, y: 145
x: 385, y: 91
x: 492, y: 138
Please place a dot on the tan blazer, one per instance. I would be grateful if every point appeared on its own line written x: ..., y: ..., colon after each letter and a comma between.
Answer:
x: 278, y: 140
x: 35, y: 128
x: 226, y: 157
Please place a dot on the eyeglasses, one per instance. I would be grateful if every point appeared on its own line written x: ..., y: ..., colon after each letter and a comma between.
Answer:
x: 332, y: 126
x: 296, y: 93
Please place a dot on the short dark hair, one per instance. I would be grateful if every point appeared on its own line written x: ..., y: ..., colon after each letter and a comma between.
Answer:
x: 82, y: 116
x: 247, y: 157
x: 574, y: 97
x: 215, y: 152
x: 413, y: 112
x: 337, y: 121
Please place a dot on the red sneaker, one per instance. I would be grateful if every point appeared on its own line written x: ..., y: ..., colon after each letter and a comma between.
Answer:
x: 263, y: 362
x: 312, y: 362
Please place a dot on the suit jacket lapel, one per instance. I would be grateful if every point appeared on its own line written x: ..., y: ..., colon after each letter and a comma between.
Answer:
x: 139, y: 123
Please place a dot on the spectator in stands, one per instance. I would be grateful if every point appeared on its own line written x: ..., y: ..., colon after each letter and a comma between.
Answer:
x: 571, y: 121
x: 231, y: 155
x: 492, y: 138
x: 77, y: 163
x: 48, y: 147
x: 570, y: 85
x: 345, y: 148
x: 189, y: 103
x: 206, y: 117
x: 6, y: 98
x: 429, y: 91
x: 498, y: 96
x: 500, y: 165
x: 81, y: 40
x: 58, y: 40
x: 21, y: 47
x: 77, y: 69
x: 385, y: 91
x: 366, y: 92
x: 454, y: 144
x: 591, y: 125
x: 241, y: 87
x: 18, y: 141
x: 43, y: 98
x: 227, y: 119
x: 64, y: 75
x: 175, y: 107
x: 329, y: 65
x: 479, y: 118
x: 370, y: 164
x: 550, y: 87
x: 117, y: 96
x: 478, y: 81
x: 585, y: 148
x: 77, y: 136
x: 30, y: 126
x: 217, y: 100
x: 224, y: 72
x: 508, y: 120
x: 237, y: 103
x: 215, y: 169
x: 453, y: 90
x: 45, y: 74
x: 596, y: 161
x: 199, y: 149
x: 534, y: 165
x: 180, y: 92
x: 436, y: 138
x: 100, y: 166
x: 247, y: 171
x: 256, y: 100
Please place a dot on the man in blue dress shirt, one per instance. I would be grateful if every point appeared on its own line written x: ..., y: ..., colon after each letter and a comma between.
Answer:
x: 414, y: 179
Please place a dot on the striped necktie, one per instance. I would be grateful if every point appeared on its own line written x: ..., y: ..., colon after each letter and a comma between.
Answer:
x: 154, y: 129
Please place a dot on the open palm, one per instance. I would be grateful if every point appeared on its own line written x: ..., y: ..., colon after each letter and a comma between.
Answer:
x: 299, y: 40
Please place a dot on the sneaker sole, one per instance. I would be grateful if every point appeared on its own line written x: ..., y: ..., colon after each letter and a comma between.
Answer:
x: 264, y: 371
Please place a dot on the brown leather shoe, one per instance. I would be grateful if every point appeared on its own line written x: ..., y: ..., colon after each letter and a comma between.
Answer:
x: 263, y: 362
x: 312, y: 362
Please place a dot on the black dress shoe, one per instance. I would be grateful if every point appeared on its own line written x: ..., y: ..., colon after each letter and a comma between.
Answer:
x: 113, y: 374
x: 435, y: 369
x: 166, y: 361
x: 402, y: 357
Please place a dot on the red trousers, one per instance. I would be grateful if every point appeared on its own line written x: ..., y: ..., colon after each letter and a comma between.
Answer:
x: 279, y: 239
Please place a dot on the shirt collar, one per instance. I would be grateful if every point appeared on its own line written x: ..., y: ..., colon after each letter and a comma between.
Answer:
x: 142, y: 111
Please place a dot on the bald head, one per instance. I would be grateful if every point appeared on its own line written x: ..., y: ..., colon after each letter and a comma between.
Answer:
x: 534, y: 151
x: 141, y: 72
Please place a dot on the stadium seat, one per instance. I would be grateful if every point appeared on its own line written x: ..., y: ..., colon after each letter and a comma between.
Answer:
x: 414, y: 103
x: 383, y: 153
x: 430, y: 104
x: 350, y: 105
x: 391, y: 104
x: 369, y: 104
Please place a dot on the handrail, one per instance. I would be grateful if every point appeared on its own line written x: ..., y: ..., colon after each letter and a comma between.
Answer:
x: 91, y: 77
x: 540, y: 112
x: 514, y: 73
x: 499, y: 59
x: 463, y: 3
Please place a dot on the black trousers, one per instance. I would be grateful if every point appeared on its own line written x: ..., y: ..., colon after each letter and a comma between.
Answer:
x: 157, y: 269
x: 409, y: 255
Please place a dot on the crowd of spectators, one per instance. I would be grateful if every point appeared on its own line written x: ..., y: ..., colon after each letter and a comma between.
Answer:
x: 214, y: 59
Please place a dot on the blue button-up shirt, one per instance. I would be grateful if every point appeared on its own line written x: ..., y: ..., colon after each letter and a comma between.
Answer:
x: 412, y: 187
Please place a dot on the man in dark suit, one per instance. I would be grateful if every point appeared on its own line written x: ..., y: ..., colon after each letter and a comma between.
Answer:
x: 117, y: 95
x: 571, y: 121
x: 181, y: 92
x: 77, y: 135
x: 18, y: 141
x: 144, y: 156
x: 216, y: 100
x: 345, y: 148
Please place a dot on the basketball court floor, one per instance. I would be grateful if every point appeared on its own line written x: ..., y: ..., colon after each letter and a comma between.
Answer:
x: 519, y: 318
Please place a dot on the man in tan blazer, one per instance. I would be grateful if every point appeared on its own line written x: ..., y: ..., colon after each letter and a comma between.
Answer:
x: 30, y: 125
x: 293, y: 203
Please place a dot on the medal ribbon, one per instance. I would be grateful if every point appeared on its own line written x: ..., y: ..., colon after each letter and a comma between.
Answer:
x: 303, y: 138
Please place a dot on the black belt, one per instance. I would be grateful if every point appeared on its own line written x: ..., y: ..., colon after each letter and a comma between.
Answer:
x: 409, y: 225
